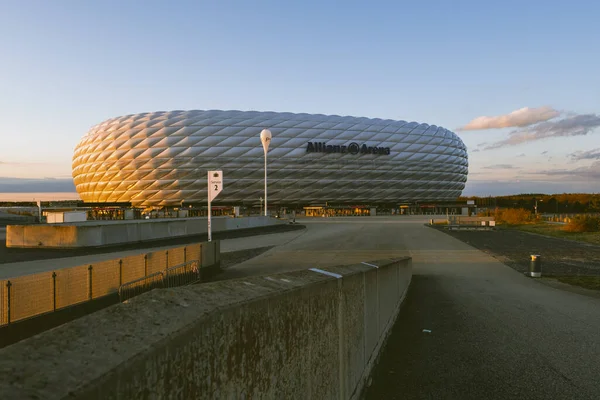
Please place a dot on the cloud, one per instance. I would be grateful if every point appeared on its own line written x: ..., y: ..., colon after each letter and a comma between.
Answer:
x: 519, y: 118
x: 18, y: 185
x: 500, y: 166
x: 503, y: 188
x: 521, y: 155
x: 589, y: 173
x: 577, y: 125
x: 475, y: 151
x: 593, y: 154
x: 544, y: 152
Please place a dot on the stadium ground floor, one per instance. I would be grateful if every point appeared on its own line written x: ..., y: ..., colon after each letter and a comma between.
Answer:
x: 98, y: 211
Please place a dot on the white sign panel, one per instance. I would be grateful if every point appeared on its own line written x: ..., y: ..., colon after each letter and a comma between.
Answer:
x: 215, y: 184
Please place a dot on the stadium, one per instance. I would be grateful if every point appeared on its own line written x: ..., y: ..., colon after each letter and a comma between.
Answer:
x: 161, y: 159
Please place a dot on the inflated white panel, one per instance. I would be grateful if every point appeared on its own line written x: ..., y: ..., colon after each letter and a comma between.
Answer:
x: 162, y: 159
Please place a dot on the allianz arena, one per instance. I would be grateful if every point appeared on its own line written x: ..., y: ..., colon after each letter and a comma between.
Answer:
x: 162, y: 159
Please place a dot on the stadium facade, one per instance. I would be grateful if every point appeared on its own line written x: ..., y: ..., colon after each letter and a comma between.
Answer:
x: 162, y: 159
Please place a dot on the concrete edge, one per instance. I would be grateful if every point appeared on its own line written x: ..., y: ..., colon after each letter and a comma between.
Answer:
x: 364, y: 382
x: 17, y: 229
x: 149, y: 308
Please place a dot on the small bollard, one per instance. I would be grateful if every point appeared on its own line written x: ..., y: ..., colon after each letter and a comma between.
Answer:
x: 535, y: 266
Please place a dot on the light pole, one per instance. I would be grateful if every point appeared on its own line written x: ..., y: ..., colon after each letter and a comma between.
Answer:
x: 265, y: 138
x: 536, y: 206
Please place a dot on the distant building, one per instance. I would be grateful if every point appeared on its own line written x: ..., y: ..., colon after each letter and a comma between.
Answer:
x: 161, y: 159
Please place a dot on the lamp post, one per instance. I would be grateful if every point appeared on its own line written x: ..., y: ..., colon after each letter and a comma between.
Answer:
x: 265, y: 138
x: 536, y: 206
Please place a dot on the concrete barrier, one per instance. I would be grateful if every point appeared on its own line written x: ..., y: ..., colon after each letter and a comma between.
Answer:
x: 299, y: 335
x: 107, y: 233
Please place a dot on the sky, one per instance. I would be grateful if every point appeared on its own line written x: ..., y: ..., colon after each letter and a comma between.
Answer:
x: 517, y: 81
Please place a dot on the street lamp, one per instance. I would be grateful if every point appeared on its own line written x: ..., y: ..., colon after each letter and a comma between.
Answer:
x: 536, y: 206
x: 265, y: 138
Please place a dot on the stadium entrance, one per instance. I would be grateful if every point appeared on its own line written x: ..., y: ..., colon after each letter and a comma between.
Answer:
x: 340, y: 211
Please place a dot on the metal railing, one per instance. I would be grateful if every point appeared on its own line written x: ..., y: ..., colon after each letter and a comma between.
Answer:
x: 141, y: 285
x: 179, y: 275
x: 182, y: 274
x: 29, y: 296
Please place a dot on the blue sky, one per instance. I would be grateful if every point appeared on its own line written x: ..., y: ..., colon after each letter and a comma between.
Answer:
x: 68, y: 65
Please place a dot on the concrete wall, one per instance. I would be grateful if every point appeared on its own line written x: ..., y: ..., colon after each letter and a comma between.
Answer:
x: 45, y: 292
x: 95, y: 234
x: 298, y: 335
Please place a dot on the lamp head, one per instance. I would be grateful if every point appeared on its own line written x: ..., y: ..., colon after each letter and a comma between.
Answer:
x: 265, y: 138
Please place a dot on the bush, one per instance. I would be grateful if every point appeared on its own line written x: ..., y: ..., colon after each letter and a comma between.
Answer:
x: 510, y: 216
x: 583, y: 223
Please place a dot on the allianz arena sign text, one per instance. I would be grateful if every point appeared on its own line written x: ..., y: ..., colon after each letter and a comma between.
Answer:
x: 352, y: 148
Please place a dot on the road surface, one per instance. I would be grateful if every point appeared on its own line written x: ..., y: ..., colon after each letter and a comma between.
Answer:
x: 17, y: 262
x: 494, y: 334
x: 326, y: 242
x: 471, y: 328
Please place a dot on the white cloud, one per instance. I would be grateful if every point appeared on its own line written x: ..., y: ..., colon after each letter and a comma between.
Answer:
x: 501, y: 187
x: 500, y: 166
x: 593, y: 154
x: 519, y: 118
x: 18, y: 185
x: 589, y: 173
x: 577, y: 125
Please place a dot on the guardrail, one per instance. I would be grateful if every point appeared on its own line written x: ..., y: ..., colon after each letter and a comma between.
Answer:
x: 178, y: 275
x: 565, y: 218
x: 33, y: 295
x: 140, y: 285
x: 458, y: 222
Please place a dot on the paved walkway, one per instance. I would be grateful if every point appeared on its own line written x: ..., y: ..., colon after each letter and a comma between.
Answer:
x: 472, y: 328
x: 494, y: 333
x: 330, y: 241
x: 13, y: 269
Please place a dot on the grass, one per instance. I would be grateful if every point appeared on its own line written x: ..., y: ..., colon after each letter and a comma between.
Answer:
x: 588, y: 282
x: 556, y: 230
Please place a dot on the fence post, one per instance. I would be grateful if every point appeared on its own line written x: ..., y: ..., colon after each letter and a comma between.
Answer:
x: 185, y: 254
x: 120, y: 272
x: 90, y: 268
x: 8, y: 286
x: 167, y: 258
x: 53, y: 290
x: 145, y: 264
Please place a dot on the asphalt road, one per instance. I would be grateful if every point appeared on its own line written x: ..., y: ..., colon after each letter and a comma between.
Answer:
x: 495, y: 334
x: 327, y: 242
x: 16, y: 262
